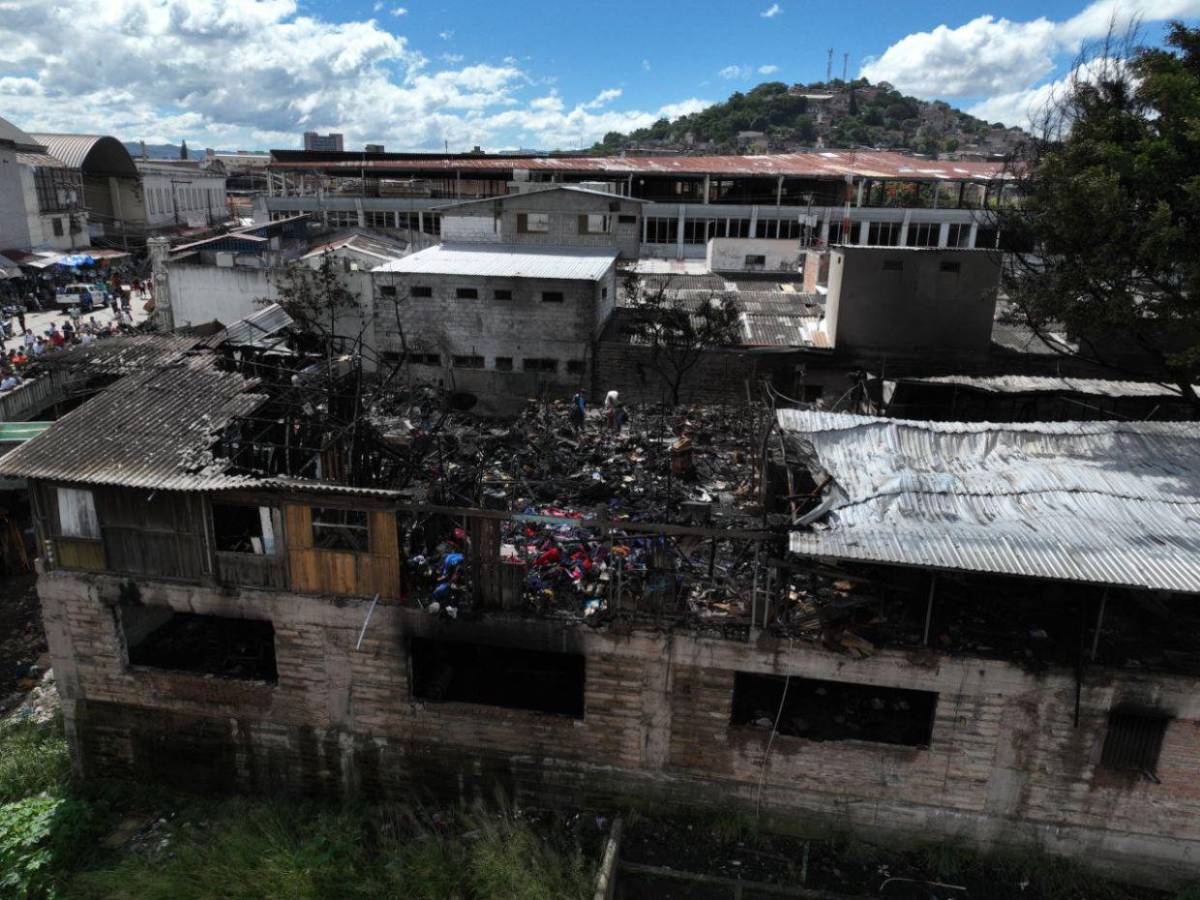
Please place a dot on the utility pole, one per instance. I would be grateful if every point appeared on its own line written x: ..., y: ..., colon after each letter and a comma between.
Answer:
x: 829, y: 67
x: 845, y: 64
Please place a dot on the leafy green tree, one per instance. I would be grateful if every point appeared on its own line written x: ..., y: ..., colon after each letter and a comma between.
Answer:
x: 1109, y: 222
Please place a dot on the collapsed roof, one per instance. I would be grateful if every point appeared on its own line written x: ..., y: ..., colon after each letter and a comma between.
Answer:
x: 1115, y: 503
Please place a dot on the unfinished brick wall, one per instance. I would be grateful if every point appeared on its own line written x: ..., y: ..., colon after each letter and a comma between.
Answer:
x: 1006, y: 763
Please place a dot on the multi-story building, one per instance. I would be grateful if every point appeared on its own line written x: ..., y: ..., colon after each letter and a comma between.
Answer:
x: 833, y: 197
x: 320, y: 143
x: 182, y: 194
x: 43, y: 204
x: 983, y: 634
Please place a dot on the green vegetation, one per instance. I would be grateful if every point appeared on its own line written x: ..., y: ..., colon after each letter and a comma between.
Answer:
x: 863, y: 115
x: 55, y: 843
x: 1108, y: 229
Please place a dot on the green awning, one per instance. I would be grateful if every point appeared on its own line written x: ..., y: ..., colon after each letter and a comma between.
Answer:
x: 19, y: 432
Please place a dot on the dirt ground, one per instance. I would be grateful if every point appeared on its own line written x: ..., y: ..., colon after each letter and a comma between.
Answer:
x: 23, y: 656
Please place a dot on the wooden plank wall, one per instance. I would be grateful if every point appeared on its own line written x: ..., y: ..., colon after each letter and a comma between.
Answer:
x: 316, y: 571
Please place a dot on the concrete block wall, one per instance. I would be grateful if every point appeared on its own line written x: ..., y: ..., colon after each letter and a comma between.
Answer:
x: 14, y: 223
x: 525, y: 327
x: 1007, y: 765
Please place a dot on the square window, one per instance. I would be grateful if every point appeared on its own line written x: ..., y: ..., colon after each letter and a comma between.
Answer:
x: 467, y: 293
x: 594, y: 224
x: 468, y: 362
x: 756, y: 261
x: 540, y: 365
x: 420, y: 290
x: 340, y: 529
x: 1133, y: 741
x: 533, y: 223
x: 953, y: 267
x: 552, y: 296
x: 502, y: 295
x: 627, y: 220
x: 387, y: 290
x: 504, y: 363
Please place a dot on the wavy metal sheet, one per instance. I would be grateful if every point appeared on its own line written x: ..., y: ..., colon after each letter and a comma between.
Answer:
x: 1102, y: 502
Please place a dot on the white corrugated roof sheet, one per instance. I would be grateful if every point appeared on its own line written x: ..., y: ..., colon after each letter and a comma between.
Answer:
x: 1034, y: 384
x: 1102, y: 502
x: 507, y: 261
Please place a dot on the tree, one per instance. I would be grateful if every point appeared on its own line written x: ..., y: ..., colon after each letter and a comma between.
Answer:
x: 1109, y: 215
x: 679, y: 331
x: 183, y: 151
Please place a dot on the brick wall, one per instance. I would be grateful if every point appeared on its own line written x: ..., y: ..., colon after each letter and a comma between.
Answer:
x: 1007, y: 765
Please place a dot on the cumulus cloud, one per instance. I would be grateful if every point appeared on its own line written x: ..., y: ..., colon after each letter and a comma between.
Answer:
x: 771, y: 11
x: 1007, y: 61
x: 767, y: 70
x: 735, y: 72
x: 256, y: 73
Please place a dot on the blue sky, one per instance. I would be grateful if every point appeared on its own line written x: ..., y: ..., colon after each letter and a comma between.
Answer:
x: 415, y: 74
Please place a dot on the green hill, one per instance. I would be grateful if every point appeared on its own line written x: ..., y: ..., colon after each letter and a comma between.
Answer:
x: 837, y: 114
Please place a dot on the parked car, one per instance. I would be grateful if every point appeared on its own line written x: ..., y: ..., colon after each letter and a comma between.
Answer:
x: 85, y: 296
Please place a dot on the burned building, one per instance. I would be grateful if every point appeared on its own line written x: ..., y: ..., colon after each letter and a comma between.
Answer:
x: 972, y: 631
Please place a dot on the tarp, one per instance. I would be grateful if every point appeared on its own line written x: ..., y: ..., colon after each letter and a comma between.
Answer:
x: 77, y: 259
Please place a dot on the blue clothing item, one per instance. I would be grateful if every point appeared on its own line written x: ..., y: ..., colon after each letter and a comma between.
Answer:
x: 452, y: 561
x: 441, y: 590
x: 580, y: 403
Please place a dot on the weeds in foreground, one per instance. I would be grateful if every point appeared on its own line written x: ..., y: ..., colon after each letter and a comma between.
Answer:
x: 33, y: 759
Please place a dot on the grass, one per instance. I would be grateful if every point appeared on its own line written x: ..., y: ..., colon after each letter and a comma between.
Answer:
x: 33, y: 758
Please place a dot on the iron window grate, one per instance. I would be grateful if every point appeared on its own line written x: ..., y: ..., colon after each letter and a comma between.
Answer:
x: 1133, y: 742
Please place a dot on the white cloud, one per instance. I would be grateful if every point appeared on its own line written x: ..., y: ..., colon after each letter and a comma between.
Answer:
x: 445, y: 35
x: 452, y: 58
x: 1027, y: 108
x: 255, y: 73
x: 377, y: 6
x: 995, y: 57
x: 984, y: 56
x: 399, y: 11
x: 735, y: 72
x: 645, y: 65
x: 767, y: 70
x: 771, y: 11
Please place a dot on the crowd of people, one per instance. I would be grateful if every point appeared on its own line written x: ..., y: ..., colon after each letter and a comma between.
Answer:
x: 104, y: 309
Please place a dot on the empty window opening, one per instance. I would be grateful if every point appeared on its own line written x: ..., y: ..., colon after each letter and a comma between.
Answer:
x: 340, y: 529
x: 502, y: 295
x: 468, y: 362
x: 426, y: 359
x: 552, y: 296
x: 159, y: 638
x: 537, y: 680
x: 953, y: 267
x: 1134, y: 741
x: 539, y: 365
x: 467, y: 293
x: 594, y: 223
x: 627, y: 220
x: 576, y: 366
x: 77, y: 514
x: 504, y: 363
x: 533, y: 223
x: 755, y: 261
x: 387, y: 290
x: 834, y: 710
x: 246, y: 529
x: 420, y: 290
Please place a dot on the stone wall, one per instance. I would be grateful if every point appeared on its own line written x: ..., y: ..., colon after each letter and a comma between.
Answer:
x: 1007, y: 764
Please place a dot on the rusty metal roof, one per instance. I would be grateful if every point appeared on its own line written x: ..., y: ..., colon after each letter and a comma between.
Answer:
x: 258, y: 325
x: 123, y: 354
x: 1114, y: 503
x: 817, y: 164
x: 155, y: 429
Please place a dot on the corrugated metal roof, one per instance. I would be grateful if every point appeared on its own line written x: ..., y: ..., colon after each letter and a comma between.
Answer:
x: 41, y: 160
x: 102, y: 154
x: 1029, y: 384
x: 1101, y: 502
x: 264, y: 323
x: 818, y: 164
x: 507, y: 261
x: 14, y: 135
x: 154, y: 429
x: 541, y: 188
x: 123, y: 354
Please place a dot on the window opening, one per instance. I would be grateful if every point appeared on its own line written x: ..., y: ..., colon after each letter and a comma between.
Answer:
x: 537, y: 680
x: 340, y: 529
x: 833, y: 710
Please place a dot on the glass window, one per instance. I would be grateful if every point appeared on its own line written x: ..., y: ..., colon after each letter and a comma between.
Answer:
x: 533, y: 223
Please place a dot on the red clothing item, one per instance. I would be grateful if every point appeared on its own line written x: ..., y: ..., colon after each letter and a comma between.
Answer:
x: 552, y: 555
x: 57, y: 340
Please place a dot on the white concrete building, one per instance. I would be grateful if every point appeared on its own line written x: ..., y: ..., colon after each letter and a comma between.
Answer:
x: 181, y: 194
